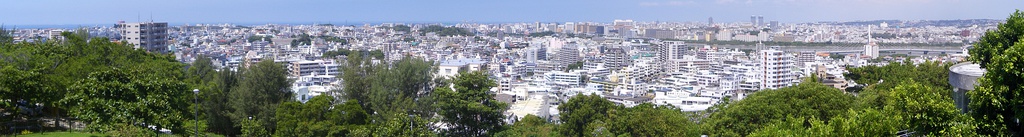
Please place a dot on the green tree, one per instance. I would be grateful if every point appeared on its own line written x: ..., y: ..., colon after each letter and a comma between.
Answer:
x: 401, y: 28
x: 869, y: 122
x: 215, y: 111
x: 996, y: 101
x: 467, y: 107
x: 357, y: 74
x: 318, y: 117
x: 6, y: 36
x: 882, y: 79
x: 335, y: 53
x: 399, y: 125
x: 652, y: 120
x: 403, y: 86
x: 807, y: 99
x: 542, y: 34
x: 446, y: 31
x: 253, y: 128
x: 529, y: 126
x: 377, y: 54
x: 255, y: 38
x: 574, y: 66
x: 582, y: 110
x: 997, y: 41
x: 128, y: 97
x: 303, y: 39
x: 261, y: 88
x: 928, y: 111
x: 22, y: 85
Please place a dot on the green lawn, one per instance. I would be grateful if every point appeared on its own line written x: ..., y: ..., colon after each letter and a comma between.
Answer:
x: 63, y: 134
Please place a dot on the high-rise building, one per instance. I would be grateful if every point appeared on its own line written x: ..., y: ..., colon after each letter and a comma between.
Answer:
x: 570, y: 27
x: 870, y: 49
x: 760, y: 21
x: 535, y: 53
x: 542, y: 53
x: 711, y: 21
x: 568, y: 54
x: 151, y: 36
x: 753, y: 20
x: 659, y: 33
x: 776, y: 69
x: 615, y: 58
x: 774, y: 25
x: 805, y: 57
x: 671, y: 50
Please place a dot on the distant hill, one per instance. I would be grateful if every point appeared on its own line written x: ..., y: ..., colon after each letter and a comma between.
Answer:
x: 920, y: 23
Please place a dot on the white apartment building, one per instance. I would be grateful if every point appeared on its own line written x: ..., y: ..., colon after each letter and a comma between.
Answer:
x: 151, y: 36
x: 314, y: 67
x: 451, y: 68
x: 688, y: 64
x: 565, y: 79
x: 671, y: 50
x: 776, y: 69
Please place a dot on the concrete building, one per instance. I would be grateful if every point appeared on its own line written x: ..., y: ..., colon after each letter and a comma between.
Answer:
x: 805, y: 57
x: 871, y: 49
x: 151, y: 36
x: 451, y: 68
x: 711, y: 21
x: 760, y: 21
x: 567, y: 55
x: 660, y: 33
x: 670, y: 50
x: 315, y: 67
x: 724, y: 35
x: 615, y: 58
x: 565, y: 79
x: 776, y: 69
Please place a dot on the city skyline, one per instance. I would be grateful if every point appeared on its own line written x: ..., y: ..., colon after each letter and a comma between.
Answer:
x: 786, y: 11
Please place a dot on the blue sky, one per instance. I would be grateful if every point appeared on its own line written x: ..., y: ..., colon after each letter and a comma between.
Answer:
x: 57, y: 12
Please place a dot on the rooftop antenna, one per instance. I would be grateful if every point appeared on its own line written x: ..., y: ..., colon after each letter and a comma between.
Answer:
x: 151, y: 16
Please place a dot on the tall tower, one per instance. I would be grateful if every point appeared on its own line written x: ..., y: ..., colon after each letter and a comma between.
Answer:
x: 871, y: 49
x: 760, y: 21
x: 753, y: 20
x: 711, y: 21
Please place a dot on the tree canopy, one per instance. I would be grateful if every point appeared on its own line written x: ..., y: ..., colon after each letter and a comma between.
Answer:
x: 446, y: 31
x: 467, y: 107
x: 129, y: 97
x: 759, y: 109
x: 997, y: 99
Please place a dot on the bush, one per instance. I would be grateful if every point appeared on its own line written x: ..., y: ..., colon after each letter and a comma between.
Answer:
x: 125, y: 130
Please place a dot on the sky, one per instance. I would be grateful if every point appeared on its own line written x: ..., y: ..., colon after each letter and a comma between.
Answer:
x: 64, y: 12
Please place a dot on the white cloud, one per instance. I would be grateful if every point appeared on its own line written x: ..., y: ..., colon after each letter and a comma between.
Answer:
x: 666, y: 3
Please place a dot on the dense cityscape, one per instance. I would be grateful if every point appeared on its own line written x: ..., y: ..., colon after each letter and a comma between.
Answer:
x: 618, y: 77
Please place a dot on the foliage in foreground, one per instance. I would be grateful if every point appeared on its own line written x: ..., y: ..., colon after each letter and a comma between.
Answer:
x: 997, y: 99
